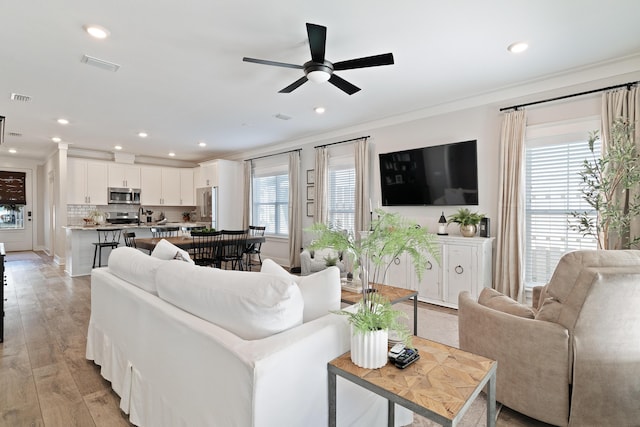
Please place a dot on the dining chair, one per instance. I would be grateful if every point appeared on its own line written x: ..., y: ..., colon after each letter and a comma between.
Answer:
x: 206, y: 248
x: 129, y: 238
x: 253, y: 249
x: 234, y: 243
x: 107, y: 238
x: 164, y: 231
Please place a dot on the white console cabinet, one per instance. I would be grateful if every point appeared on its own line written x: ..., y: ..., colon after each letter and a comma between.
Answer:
x: 465, y: 265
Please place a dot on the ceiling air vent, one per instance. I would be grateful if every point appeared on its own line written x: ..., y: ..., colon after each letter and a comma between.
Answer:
x: 15, y: 134
x: 283, y: 116
x: 100, y: 63
x: 19, y: 97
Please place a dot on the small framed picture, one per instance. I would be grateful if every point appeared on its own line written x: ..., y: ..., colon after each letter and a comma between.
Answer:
x: 310, y: 192
x: 311, y: 177
x: 309, y: 208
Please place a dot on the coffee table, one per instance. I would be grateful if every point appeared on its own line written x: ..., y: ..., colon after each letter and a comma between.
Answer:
x: 392, y: 293
x: 440, y: 386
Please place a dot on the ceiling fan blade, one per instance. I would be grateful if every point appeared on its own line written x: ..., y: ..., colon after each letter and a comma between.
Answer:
x: 293, y: 86
x: 369, y: 61
x: 274, y: 63
x: 343, y: 85
x: 317, y: 41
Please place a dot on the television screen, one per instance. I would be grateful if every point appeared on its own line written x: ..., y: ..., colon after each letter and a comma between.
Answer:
x: 441, y: 175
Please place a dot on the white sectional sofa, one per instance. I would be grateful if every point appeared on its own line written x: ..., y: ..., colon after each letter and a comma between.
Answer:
x: 184, y: 345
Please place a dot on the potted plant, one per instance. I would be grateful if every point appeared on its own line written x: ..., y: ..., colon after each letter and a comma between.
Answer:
x: 467, y: 220
x: 373, y: 253
x: 186, y: 216
x: 607, y: 182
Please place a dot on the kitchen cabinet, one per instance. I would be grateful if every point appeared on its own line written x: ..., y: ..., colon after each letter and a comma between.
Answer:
x: 86, y: 182
x: 122, y: 175
x: 163, y: 186
x: 207, y: 174
x: 465, y: 265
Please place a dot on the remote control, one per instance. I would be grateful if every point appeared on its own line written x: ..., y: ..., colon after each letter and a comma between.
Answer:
x: 395, y: 351
x: 407, y: 357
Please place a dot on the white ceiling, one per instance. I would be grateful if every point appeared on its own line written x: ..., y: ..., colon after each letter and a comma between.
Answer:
x: 182, y: 78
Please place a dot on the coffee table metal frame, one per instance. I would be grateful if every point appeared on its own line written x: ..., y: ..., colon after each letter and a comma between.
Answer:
x: 359, y: 376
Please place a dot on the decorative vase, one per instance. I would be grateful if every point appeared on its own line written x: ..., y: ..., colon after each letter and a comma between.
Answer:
x: 369, y: 349
x: 468, y: 230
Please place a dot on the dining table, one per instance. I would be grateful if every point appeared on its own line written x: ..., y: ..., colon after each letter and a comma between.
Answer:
x: 183, y: 242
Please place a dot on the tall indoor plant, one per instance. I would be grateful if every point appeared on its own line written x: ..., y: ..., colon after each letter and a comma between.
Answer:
x: 610, y: 186
x: 391, y: 235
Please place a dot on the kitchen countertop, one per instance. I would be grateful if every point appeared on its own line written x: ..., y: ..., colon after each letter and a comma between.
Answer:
x: 134, y: 226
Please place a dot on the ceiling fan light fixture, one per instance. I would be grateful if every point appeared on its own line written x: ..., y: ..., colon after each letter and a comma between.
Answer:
x: 318, y: 76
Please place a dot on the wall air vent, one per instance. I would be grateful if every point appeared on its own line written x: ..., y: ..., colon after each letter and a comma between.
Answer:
x: 100, y: 63
x: 19, y: 97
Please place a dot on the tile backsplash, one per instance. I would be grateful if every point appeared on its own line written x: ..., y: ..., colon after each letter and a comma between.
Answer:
x: 76, y: 213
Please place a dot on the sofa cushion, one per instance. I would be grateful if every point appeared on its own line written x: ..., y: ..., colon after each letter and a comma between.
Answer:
x: 500, y: 302
x: 324, y: 254
x: 167, y: 250
x: 249, y: 304
x: 321, y: 291
x: 135, y: 267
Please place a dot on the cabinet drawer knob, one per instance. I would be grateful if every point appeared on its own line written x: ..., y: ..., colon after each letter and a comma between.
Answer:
x: 429, y: 265
x: 459, y: 269
x: 396, y: 261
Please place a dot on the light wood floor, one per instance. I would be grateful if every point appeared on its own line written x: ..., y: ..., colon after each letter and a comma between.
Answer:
x: 45, y: 379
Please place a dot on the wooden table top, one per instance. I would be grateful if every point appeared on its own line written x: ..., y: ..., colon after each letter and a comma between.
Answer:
x: 183, y: 242
x: 392, y: 293
x: 443, y: 380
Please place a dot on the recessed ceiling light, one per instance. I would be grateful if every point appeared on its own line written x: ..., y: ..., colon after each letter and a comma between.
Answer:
x: 13, y: 150
x: 63, y: 121
x: 172, y: 154
x: 517, y: 47
x: 202, y: 144
x: 118, y: 147
x: 96, y: 31
x: 56, y: 139
x: 142, y: 134
x: 319, y: 110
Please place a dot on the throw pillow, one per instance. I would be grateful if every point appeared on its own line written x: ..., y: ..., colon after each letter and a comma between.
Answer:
x: 497, y: 301
x: 320, y: 291
x: 135, y: 267
x: 167, y: 250
x: 248, y: 304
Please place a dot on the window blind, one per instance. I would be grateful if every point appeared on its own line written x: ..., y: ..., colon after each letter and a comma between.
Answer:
x: 270, y: 203
x: 552, y: 185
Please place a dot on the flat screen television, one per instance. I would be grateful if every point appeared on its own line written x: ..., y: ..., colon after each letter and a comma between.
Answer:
x: 441, y: 175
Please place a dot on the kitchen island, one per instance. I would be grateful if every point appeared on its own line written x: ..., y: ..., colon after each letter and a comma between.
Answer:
x: 80, y: 239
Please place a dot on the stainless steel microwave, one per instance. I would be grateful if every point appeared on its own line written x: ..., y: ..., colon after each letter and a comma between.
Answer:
x: 124, y: 196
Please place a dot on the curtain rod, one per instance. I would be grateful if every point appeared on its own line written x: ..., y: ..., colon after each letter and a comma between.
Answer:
x: 515, y: 107
x: 342, y: 142
x: 271, y: 155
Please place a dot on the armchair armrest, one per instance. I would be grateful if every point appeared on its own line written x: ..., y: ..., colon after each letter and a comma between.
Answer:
x: 533, y: 358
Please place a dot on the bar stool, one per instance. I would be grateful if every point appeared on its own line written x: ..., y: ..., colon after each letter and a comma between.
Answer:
x: 107, y: 238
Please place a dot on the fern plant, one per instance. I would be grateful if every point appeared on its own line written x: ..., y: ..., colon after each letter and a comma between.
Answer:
x: 391, y: 235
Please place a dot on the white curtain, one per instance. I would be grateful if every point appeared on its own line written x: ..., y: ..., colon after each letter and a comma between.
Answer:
x: 622, y: 103
x: 320, y: 213
x: 509, y: 270
x: 363, y: 199
x: 295, y: 210
x: 246, y: 216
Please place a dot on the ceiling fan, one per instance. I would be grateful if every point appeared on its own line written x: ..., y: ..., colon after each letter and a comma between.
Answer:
x: 319, y: 69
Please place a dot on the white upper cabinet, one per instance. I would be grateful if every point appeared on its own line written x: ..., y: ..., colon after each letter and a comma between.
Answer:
x: 122, y: 175
x: 167, y: 186
x: 86, y: 182
x: 187, y: 189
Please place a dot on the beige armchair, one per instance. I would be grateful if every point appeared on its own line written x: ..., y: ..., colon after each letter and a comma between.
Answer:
x: 575, y: 358
x: 313, y: 261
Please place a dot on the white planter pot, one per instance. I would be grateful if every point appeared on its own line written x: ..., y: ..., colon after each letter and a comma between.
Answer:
x: 369, y: 350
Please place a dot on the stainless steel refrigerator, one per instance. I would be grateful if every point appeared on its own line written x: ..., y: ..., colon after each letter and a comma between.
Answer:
x: 207, y: 205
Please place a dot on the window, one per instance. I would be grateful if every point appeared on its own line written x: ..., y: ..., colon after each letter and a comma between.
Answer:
x: 270, y: 204
x: 12, y: 199
x: 341, y: 190
x: 552, y: 183
x: 11, y: 217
